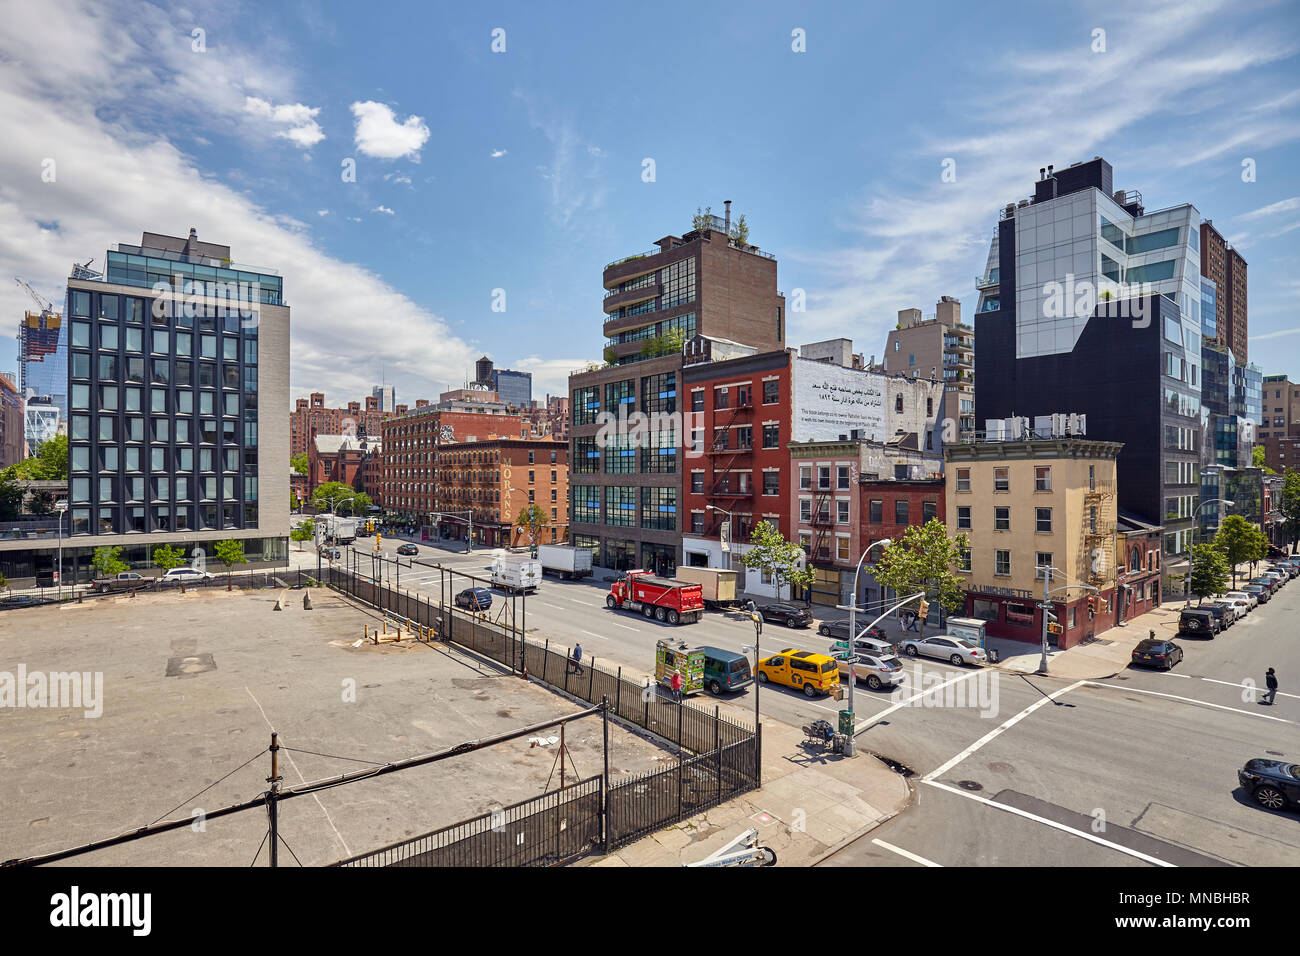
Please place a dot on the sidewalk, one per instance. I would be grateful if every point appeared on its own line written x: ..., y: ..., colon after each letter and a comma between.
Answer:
x: 810, y: 805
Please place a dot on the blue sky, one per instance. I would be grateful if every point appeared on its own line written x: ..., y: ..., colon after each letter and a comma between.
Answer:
x: 523, y: 170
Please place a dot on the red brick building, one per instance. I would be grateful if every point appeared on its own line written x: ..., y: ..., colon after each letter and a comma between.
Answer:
x: 1137, y: 560
x: 497, y: 479
x: 310, y: 418
x: 737, y: 461
x: 887, y: 508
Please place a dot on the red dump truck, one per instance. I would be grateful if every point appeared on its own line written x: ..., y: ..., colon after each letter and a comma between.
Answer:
x: 664, y: 599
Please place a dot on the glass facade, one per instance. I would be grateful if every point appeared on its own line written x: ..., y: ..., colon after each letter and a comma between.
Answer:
x: 162, y: 449
x: 1209, y: 308
x: 145, y: 268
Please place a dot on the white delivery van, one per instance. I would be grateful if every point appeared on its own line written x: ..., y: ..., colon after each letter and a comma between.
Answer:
x: 516, y: 574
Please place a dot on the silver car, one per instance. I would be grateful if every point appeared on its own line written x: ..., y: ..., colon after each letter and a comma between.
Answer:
x: 1251, y: 600
x: 946, y: 647
x: 875, y: 672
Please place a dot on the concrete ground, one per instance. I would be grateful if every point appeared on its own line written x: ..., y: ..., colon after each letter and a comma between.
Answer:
x: 194, y: 684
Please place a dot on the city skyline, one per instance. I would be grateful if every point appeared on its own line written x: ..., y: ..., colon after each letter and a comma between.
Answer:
x: 871, y: 203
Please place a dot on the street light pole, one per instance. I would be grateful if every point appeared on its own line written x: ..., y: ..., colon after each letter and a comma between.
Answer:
x: 1191, y: 555
x: 849, y: 748
x: 727, y: 551
x: 60, y: 506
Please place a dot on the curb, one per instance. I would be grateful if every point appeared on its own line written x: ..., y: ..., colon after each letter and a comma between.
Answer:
x: 858, y: 835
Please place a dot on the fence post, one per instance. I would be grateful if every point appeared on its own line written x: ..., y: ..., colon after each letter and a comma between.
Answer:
x: 546, y: 660
x: 680, y: 708
x: 758, y: 755
x: 604, y: 780
x: 591, y: 681
x: 717, y: 745
x: 679, y: 784
x: 618, y: 691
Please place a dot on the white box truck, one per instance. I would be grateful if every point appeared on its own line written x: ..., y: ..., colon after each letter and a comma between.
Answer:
x: 717, y: 584
x: 565, y: 561
x: 517, y: 575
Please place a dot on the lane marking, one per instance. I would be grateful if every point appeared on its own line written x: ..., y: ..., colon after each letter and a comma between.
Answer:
x: 553, y: 607
x: 1190, y: 700
x: 1258, y: 689
x: 1092, y: 837
x: 904, y: 853
x: 588, y: 603
x: 625, y: 627
x: 593, y: 634
x: 1001, y: 728
x: 928, y: 690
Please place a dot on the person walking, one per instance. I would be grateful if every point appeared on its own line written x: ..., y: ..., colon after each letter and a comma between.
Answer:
x: 576, y: 662
x: 1270, y: 681
x: 676, y: 685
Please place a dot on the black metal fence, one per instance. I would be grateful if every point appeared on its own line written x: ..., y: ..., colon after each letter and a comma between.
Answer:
x: 718, y: 757
x: 554, y: 828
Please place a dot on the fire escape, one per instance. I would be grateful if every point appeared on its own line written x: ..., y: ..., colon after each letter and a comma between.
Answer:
x: 822, y: 523
x: 726, y: 487
x: 1098, y: 531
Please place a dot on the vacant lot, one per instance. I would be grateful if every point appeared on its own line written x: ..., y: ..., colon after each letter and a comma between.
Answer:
x: 194, y: 684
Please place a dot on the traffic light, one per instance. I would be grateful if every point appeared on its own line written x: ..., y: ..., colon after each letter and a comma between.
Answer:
x: 923, y: 609
x: 1092, y: 606
x: 1055, y: 629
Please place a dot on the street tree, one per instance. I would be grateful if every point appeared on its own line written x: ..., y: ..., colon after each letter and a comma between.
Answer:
x: 303, y: 531
x: 49, y: 463
x: 42, y: 503
x: 229, y: 553
x: 341, y: 495
x: 926, y: 559
x: 1290, y: 506
x: 107, y: 561
x: 1240, y: 541
x: 298, y: 463
x: 167, y: 557
x: 11, y: 497
x: 774, y: 555
x: 1209, y: 571
x: 532, y: 519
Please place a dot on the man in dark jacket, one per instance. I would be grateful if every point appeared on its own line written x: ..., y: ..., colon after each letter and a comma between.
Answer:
x: 1270, y: 681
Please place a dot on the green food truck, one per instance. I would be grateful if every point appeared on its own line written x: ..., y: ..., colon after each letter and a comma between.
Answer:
x: 689, y: 661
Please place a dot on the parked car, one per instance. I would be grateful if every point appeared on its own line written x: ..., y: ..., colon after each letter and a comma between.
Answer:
x: 1280, y: 577
x: 803, y: 670
x: 1251, y: 600
x: 1197, y: 622
x: 20, y: 600
x: 876, y: 647
x: 1283, y: 567
x: 124, y: 581
x: 1157, y: 653
x: 408, y: 549
x: 1268, y: 583
x: 185, y: 576
x: 945, y: 647
x: 1274, y: 784
x: 1223, y: 612
x: 1238, y: 606
x: 1261, y: 593
x: 331, y: 554
x: 875, y: 672
x: 725, y: 670
x: 474, y: 599
x: 791, y: 615
x: 839, y: 630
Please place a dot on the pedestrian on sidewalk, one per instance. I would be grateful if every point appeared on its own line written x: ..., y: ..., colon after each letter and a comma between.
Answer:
x: 576, y: 662
x: 1270, y: 681
x: 676, y: 685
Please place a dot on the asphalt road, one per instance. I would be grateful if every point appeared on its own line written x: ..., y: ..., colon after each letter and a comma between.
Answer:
x: 1135, y: 770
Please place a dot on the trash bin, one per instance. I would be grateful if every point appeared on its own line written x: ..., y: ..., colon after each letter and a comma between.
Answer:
x: 846, y: 721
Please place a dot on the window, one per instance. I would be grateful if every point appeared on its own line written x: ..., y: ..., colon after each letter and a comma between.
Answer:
x: 771, y: 436
x: 929, y: 511
x: 1001, y: 479
x: 842, y: 477
x: 963, y: 479
x: 620, y: 456
x: 620, y: 393
x: 771, y: 392
x: 805, y: 478
x: 877, y: 512
x: 1151, y: 241
x: 805, y: 510
x: 824, y: 479
x: 697, y: 482
x: 900, y: 511
x: 659, y: 509
x: 1042, y: 559
x: 963, y: 518
x: 659, y: 393
x: 586, y: 405
x: 1002, y: 562
x: 1001, y: 519
x: 771, y: 482
x: 963, y: 559
x: 697, y: 400
x: 842, y: 549
x: 620, y: 506
x: 898, y: 403
x: 1043, y: 478
x: 842, y: 512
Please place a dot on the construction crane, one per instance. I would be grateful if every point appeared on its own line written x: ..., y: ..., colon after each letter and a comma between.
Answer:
x: 46, y: 306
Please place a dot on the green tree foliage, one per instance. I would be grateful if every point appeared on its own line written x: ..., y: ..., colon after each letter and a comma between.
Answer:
x: 1239, y: 540
x: 740, y: 231
x: 50, y: 463
x: 701, y: 218
x: 42, y: 503
x: 925, y: 560
x: 345, y: 499
x: 776, y: 556
x: 11, y: 497
x: 299, y: 463
x: 303, y: 531
x: 107, y: 562
x: 1290, y: 506
x: 229, y: 553
x: 1209, y: 571
x: 167, y: 557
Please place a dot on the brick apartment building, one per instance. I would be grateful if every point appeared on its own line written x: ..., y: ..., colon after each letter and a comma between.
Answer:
x: 738, y: 470
x: 310, y: 417
x: 1279, y: 424
x: 343, y: 458
x: 888, y: 507
x: 496, y: 480
x: 1224, y: 266
x: 13, y: 439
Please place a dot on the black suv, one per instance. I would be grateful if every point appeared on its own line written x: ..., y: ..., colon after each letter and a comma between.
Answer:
x: 788, y: 614
x: 1197, y: 622
x: 1222, y: 614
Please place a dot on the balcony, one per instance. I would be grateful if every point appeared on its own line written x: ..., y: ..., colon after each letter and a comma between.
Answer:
x: 730, y: 493
x: 731, y: 450
x: 986, y: 282
x: 614, y: 299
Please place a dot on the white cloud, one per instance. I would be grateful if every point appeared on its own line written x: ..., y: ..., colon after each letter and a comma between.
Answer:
x: 300, y: 120
x: 379, y: 134
x: 117, y: 178
x: 1284, y: 205
x: 354, y: 218
x: 498, y: 153
x: 382, y: 208
x: 397, y: 179
x: 322, y: 212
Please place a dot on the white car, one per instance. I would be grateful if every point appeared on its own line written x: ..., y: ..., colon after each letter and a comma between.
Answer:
x: 946, y: 647
x: 1234, y: 610
x: 874, y: 671
x: 186, y: 575
x: 1251, y: 601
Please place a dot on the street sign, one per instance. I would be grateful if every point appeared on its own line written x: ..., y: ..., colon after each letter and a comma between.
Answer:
x: 844, y: 657
x: 841, y: 645
x: 725, y: 535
